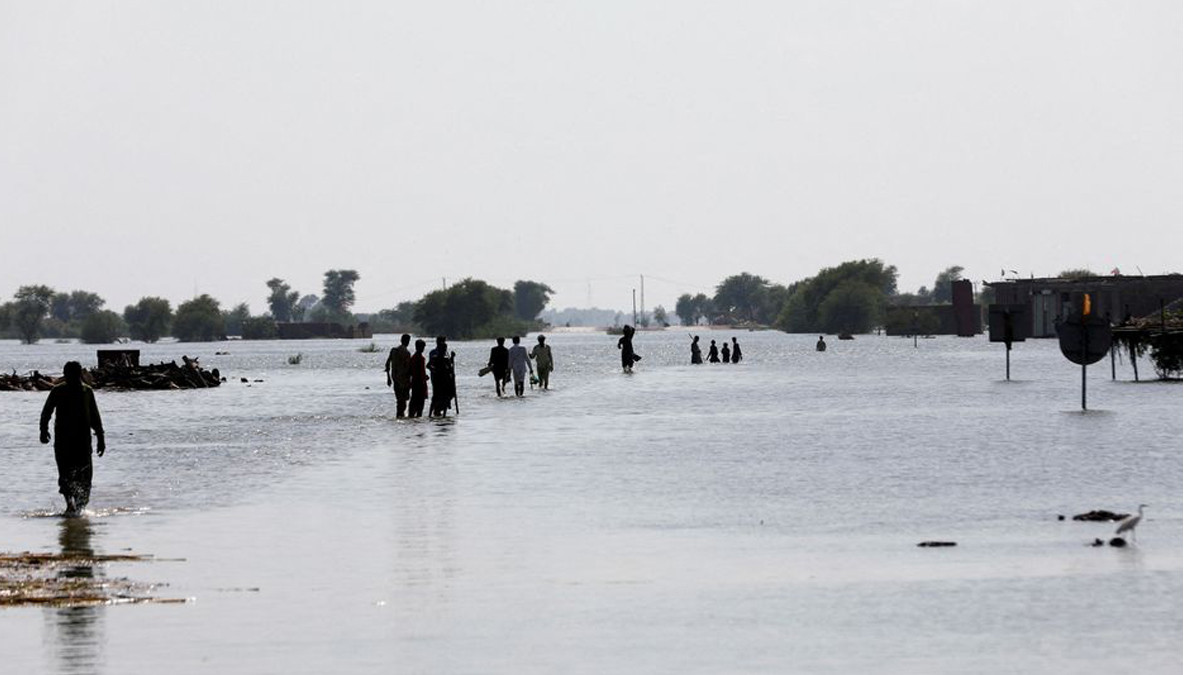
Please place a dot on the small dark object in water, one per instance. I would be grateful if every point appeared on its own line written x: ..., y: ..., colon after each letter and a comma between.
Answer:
x: 936, y: 544
x: 258, y: 380
x: 845, y: 336
x: 1118, y: 542
x: 1097, y: 542
x: 1061, y: 517
x: 245, y: 381
x: 1100, y: 516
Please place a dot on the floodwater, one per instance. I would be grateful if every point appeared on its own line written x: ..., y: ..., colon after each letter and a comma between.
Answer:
x: 761, y: 517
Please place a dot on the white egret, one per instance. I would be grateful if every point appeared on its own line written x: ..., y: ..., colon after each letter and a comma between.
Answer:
x: 1130, y: 524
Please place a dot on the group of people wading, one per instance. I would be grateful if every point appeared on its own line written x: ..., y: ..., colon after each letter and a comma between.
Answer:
x: 407, y: 377
x: 724, y: 356
x: 512, y: 364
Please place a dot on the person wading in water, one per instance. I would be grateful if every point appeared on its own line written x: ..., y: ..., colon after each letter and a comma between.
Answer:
x: 418, y: 380
x: 519, y: 364
x: 544, y: 361
x: 441, y: 376
x: 625, y: 344
x: 498, y: 363
x: 396, y: 368
x: 713, y: 357
x: 737, y: 351
x: 73, y: 406
x: 697, y: 357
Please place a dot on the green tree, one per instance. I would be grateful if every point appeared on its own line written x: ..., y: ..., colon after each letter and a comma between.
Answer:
x: 102, y: 327
x: 397, y: 319
x: 468, y: 309
x: 75, y: 306
x: 852, y: 307
x: 705, y: 308
x: 283, y: 301
x: 149, y: 319
x: 943, y: 291
x: 660, y: 316
x: 794, y: 316
x: 198, y: 320
x: 259, y: 328
x: 530, y: 298
x: 235, y: 318
x: 338, y: 295
x: 29, y: 310
x: 748, y: 297
x: 686, y: 310
x: 803, y: 313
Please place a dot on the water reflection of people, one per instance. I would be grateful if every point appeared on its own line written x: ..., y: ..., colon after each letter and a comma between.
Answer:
x: 73, y: 406
x: 77, y: 640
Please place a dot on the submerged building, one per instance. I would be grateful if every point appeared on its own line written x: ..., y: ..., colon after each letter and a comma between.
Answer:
x: 961, y: 317
x: 1043, y: 301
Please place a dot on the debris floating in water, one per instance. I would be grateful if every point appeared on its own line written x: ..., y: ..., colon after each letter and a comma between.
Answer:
x: 937, y: 544
x: 1100, y: 516
x: 116, y: 375
x: 69, y: 580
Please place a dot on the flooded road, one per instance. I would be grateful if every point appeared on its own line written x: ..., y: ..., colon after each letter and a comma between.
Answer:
x: 759, y: 517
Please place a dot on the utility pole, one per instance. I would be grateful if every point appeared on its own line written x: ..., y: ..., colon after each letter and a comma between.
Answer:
x: 634, y: 306
x: 443, y: 283
x: 643, y: 276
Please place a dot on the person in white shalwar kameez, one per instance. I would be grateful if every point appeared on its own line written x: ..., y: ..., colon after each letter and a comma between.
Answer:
x: 519, y: 364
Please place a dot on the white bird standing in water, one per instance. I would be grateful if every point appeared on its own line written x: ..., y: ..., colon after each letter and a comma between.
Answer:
x: 1130, y: 524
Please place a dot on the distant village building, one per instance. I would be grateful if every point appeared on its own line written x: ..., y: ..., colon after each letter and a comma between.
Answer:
x: 961, y: 317
x: 315, y: 330
x: 1117, y: 297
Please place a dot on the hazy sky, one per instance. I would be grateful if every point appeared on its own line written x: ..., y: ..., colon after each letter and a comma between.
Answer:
x: 155, y: 148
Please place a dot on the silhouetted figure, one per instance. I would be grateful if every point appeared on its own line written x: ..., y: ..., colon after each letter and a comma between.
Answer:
x: 713, y: 357
x: 519, y: 364
x: 396, y: 368
x: 418, y: 380
x: 737, y: 351
x: 724, y: 352
x: 544, y: 360
x: 441, y: 376
x: 625, y: 344
x: 697, y: 357
x: 73, y: 406
x: 821, y: 343
x: 498, y: 362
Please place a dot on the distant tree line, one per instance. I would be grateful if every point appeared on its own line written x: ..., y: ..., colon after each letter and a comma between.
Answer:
x: 468, y: 309
x: 849, y: 298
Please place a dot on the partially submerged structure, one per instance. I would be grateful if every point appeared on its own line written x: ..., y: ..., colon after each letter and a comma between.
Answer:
x: 961, y: 317
x: 1118, y: 298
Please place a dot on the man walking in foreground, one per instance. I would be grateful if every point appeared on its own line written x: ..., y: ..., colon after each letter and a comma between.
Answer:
x: 396, y: 368
x: 73, y: 406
